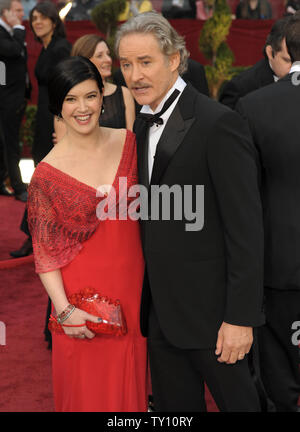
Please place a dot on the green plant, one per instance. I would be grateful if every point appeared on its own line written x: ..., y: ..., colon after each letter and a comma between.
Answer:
x: 212, y: 44
x: 105, y: 17
x: 28, y: 126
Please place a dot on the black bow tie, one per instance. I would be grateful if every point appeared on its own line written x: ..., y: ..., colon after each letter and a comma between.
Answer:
x: 155, y: 118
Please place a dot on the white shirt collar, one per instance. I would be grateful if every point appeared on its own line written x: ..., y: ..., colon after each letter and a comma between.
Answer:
x: 295, y: 67
x: 276, y: 78
x: 179, y: 84
x: 6, y: 26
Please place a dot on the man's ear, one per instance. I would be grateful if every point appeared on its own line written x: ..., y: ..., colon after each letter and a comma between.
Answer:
x: 269, y: 52
x: 174, y: 61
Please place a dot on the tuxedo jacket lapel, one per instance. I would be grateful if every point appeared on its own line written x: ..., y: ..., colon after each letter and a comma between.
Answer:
x: 175, y: 130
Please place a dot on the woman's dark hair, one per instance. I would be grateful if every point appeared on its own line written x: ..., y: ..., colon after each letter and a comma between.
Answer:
x: 49, y: 10
x: 66, y: 75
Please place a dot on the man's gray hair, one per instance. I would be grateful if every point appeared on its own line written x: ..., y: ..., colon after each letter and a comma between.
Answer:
x: 6, y: 4
x: 167, y: 37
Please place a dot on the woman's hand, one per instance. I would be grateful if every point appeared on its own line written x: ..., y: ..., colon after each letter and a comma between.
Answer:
x: 79, y: 318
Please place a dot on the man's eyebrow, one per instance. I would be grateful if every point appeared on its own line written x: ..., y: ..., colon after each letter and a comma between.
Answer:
x: 139, y: 58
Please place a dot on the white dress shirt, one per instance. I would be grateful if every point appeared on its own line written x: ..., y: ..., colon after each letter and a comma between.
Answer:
x: 295, y: 67
x: 156, y: 130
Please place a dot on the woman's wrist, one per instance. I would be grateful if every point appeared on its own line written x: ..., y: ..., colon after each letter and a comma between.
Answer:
x: 65, y: 313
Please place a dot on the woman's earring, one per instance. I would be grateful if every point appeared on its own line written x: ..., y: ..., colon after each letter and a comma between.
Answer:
x: 59, y: 117
x: 102, y: 109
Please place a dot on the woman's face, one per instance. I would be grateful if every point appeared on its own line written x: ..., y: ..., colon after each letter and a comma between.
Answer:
x: 81, y: 107
x: 43, y: 26
x: 102, y: 60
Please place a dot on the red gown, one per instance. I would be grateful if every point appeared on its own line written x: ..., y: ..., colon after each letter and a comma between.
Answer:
x: 106, y: 373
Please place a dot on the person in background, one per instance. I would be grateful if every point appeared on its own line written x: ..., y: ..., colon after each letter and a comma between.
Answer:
x: 254, y: 9
x: 49, y: 30
x: 275, y: 64
x: 205, y: 9
x: 272, y: 113
x: 292, y: 6
x: 174, y: 9
x: 81, y: 10
x: 13, y: 95
x: 75, y: 248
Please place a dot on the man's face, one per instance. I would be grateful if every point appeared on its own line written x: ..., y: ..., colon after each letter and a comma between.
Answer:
x: 280, y: 61
x: 148, y: 73
x: 17, y: 9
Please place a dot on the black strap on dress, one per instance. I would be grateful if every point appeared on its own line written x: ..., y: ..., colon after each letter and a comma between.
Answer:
x: 114, y: 110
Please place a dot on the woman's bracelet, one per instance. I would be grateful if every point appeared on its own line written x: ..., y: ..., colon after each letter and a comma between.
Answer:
x: 64, y: 315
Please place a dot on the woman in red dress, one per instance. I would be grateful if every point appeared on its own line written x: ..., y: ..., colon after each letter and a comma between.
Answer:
x: 74, y: 249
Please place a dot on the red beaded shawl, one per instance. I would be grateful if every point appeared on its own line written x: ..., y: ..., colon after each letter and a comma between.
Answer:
x: 62, y: 210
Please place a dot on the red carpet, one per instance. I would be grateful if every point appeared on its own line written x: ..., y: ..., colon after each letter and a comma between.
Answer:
x: 25, y: 362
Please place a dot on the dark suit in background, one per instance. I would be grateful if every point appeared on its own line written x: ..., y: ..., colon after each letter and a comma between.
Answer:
x: 12, y: 104
x: 276, y: 63
x: 186, y: 10
x: 273, y: 116
x: 246, y: 82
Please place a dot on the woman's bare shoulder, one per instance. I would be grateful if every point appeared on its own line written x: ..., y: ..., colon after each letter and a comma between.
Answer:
x: 56, y: 155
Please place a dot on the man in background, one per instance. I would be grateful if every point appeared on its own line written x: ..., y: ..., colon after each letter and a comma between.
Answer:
x: 275, y: 64
x: 272, y: 113
x: 12, y: 95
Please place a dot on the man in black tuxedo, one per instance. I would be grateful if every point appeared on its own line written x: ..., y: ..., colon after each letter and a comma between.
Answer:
x: 202, y: 292
x: 273, y: 116
x: 13, y: 94
x: 275, y: 64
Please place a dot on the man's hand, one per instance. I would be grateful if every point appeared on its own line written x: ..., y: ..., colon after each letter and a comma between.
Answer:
x: 233, y: 343
x: 11, y: 18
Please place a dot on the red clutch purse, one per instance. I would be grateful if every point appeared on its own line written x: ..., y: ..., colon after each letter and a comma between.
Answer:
x: 113, y: 321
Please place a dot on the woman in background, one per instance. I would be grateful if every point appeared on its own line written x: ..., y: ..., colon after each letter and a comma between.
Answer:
x: 49, y: 30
